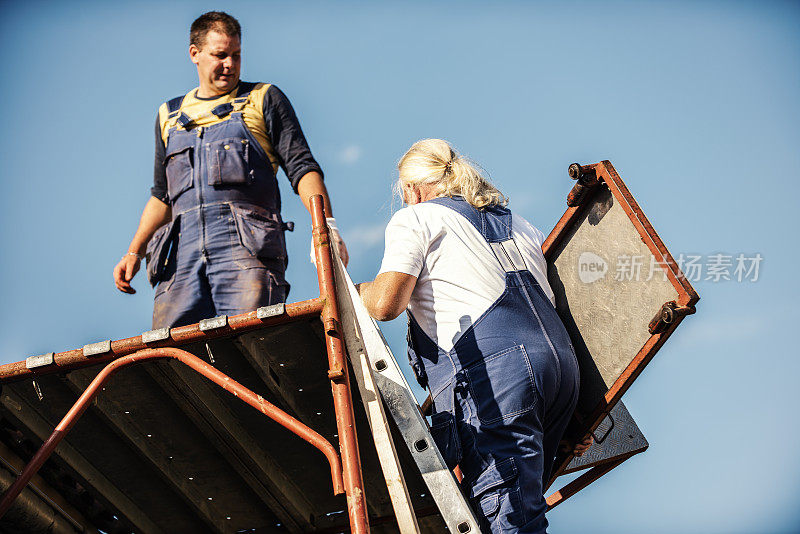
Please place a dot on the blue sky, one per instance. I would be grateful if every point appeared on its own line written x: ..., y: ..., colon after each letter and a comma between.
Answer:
x: 697, y: 104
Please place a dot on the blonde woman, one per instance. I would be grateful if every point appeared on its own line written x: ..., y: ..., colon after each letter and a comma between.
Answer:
x: 484, y: 335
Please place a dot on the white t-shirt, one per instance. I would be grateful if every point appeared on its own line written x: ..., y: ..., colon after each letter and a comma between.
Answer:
x: 458, y: 276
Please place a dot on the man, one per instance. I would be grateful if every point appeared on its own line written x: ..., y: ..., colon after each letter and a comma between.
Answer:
x: 212, y: 230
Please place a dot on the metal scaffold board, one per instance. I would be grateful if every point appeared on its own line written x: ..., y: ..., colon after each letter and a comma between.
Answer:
x: 620, y: 295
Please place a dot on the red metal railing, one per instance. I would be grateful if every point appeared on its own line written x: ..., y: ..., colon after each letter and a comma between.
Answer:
x: 198, y: 365
x: 340, y: 378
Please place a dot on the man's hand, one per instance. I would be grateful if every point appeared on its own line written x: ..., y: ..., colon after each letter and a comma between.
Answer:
x: 124, y: 272
x: 156, y: 213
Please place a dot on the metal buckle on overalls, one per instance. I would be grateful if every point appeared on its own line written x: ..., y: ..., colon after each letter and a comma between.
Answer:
x: 288, y: 226
x: 184, y: 120
x: 222, y: 109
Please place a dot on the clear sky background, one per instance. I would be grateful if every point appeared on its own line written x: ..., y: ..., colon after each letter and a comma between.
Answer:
x: 697, y: 104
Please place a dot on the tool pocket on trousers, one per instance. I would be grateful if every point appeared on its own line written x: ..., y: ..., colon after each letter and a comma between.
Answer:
x: 502, y: 385
x: 445, y: 435
x: 260, y: 232
x: 503, y: 510
x: 229, y: 162
x: 179, y: 164
x: 497, y: 495
x: 158, y: 251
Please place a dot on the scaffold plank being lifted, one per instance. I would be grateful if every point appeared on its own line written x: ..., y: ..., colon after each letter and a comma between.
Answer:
x: 620, y: 294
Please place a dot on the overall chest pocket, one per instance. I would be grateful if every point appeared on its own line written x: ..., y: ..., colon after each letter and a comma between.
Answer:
x: 502, y: 385
x: 229, y: 162
x: 179, y: 163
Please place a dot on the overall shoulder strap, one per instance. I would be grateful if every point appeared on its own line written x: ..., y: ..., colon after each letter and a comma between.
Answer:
x: 242, y: 95
x: 174, y: 104
x: 494, y: 224
x: 239, y: 101
x: 174, y: 114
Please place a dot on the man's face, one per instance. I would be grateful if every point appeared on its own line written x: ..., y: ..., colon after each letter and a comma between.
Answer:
x: 218, y: 63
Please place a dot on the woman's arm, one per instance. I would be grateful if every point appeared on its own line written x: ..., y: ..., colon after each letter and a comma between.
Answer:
x: 387, y: 296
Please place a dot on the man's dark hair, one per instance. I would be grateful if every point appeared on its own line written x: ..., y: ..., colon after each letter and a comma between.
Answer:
x: 213, y: 20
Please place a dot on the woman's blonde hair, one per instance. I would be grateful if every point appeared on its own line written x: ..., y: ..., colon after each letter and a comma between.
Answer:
x: 434, y: 162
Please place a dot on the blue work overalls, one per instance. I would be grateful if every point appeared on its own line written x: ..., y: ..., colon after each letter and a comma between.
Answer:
x: 502, y: 397
x: 224, y: 251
